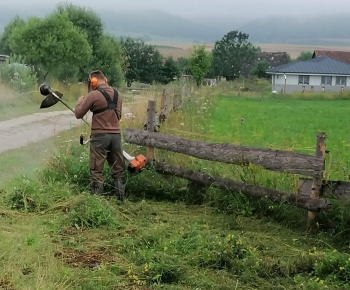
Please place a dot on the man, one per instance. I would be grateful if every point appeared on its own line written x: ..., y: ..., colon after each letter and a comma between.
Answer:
x: 105, y: 141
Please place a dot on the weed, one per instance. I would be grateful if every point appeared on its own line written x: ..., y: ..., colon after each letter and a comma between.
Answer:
x: 90, y: 212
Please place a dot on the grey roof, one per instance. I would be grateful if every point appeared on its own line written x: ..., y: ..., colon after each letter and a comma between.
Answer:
x: 319, y: 65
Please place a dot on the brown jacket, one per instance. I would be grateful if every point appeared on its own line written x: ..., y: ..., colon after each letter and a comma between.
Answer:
x: 105, y: 122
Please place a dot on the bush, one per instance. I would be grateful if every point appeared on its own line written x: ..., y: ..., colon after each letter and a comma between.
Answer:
x: 18, y: 75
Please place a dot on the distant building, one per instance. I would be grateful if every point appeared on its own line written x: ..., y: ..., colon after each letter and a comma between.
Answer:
x: 321, y: 73
x: 343, y: 56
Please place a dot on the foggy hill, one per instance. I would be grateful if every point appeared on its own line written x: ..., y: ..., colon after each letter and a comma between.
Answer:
x: 158, y: 23
x: 155, y: 23
x: 316, y: 30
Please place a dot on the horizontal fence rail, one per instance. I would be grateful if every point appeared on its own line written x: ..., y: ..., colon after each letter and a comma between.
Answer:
x: 270, y: 159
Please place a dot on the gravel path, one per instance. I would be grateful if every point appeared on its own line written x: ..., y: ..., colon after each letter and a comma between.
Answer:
x: 21, y: 131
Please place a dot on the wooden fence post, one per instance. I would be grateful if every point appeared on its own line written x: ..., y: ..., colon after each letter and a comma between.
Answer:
x: 317, y: 180
x: 151, y: 121
x: 165, y: 105
x: 177, y: 102
x: 162, y: 108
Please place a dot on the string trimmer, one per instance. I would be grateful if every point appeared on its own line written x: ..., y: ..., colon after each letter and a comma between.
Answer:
x: 136, y: 164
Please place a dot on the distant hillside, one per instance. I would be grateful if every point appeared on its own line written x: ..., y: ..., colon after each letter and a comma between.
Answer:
x: 158, y: 23
x: 161, y: 27
x: 317, y: 30
x: 314, y: 30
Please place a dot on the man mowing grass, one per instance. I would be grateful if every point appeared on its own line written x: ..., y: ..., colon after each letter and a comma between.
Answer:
x: 105, y: 142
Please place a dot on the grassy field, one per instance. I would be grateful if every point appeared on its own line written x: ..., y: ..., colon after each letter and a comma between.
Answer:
x: 172, y: 234
x: 177, y: 49
x: 15, y: 104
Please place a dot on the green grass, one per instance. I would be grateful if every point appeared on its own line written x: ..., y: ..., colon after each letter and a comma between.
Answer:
x: 288, y: 124
x: 172, y: 234
x: 26, y: 160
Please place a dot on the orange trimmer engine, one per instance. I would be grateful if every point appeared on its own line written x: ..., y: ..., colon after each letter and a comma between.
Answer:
x: 136, y: 164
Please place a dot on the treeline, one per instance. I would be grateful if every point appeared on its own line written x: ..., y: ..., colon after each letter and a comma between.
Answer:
x: 71, y: 41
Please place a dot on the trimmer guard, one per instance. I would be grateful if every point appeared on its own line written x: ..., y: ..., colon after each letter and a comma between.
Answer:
x: 50, y: 100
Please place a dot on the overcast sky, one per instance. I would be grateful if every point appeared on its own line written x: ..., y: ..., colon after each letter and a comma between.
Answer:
x: 248, y: 9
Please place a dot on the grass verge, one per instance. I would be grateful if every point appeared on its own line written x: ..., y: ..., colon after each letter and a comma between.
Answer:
x: 170, y: 234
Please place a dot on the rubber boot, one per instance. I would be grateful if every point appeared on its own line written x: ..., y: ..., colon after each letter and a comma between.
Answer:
x: 119, y: 189
x: 97, y: 188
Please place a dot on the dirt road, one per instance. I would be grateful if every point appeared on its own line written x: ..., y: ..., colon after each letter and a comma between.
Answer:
x: 22, y: 131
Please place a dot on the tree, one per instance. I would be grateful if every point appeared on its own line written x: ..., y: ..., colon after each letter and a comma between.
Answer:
x: 260, y: 69
x: 141, y: 62
x: 231, y: 53
x: 4, y: 40
x: 110, y: 63
x: 182, y: 64
x: 131, y: 52
x: 150, y: 64
x: 199, y: 63
x: 51, y: 45
x: 90, y: 23
x: 170, y: 70
x: 305, y: 55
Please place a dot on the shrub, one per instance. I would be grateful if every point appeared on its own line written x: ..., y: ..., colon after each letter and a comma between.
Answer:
x: 18, y: 75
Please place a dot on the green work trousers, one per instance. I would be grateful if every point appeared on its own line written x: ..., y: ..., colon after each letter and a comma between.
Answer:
x: 102, y: 147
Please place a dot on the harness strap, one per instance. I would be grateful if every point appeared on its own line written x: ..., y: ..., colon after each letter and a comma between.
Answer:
x: 111, y: 104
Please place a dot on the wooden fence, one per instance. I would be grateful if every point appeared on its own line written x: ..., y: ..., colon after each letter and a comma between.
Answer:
x: 310, y: 167
x: 171, y: 101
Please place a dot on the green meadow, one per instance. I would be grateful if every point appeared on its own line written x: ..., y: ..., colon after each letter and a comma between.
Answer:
x: 173, y: 234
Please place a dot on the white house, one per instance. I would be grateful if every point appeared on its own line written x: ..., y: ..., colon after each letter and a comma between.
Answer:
x: 317, y: 74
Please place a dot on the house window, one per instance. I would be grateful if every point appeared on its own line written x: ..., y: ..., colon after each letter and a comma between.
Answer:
x: 326, y: 80
x: 304, y: 80
x: 341, y: 81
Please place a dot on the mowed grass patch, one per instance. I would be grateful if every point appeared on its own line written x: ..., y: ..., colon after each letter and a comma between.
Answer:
x: 77, y: 241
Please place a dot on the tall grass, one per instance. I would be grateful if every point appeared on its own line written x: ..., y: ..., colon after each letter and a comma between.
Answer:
x: 172, y: 234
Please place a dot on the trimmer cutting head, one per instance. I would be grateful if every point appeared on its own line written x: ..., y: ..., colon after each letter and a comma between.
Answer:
x: 45, y: 90
x: 50, y: 99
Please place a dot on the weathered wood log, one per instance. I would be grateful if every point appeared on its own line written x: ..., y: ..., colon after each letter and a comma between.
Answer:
x: 275, y: 160
x: 339, y: 190
x: 304, y: 202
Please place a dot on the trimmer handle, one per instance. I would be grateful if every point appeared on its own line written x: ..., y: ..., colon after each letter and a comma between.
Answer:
x: 81, y: 140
